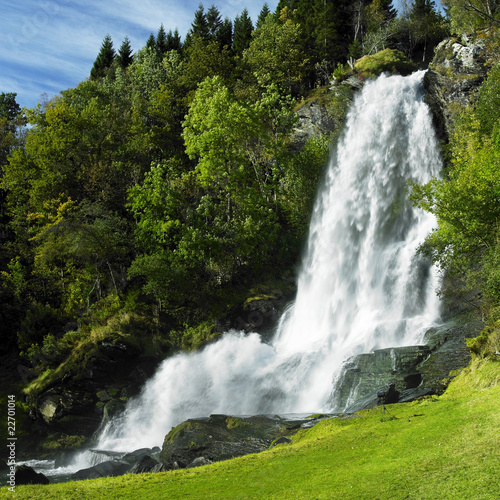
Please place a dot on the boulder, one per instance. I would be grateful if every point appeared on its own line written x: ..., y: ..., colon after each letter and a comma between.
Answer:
x: 26, y: 475
x: 147, y: 464
x: 281, y: 440
x: 449, y: 355
x: 104, y: 469
x: 220, y: 437
x: 137, y: 455
x: 199, y: 462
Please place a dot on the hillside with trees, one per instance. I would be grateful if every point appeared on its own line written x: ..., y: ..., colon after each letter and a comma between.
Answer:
x: 160, y: 193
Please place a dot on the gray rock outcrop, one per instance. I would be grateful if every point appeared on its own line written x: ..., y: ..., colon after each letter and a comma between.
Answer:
x: 413, y: 371
x: 457, y: 70
x: 313, y: 121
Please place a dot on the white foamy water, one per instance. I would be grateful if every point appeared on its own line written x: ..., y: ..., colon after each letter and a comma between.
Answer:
x: 362, y: 285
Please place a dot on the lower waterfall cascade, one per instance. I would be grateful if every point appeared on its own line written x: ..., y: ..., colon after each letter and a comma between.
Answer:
x: 362, y: 284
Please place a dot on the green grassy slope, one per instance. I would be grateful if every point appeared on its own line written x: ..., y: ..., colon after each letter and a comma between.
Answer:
x: 437, y: 448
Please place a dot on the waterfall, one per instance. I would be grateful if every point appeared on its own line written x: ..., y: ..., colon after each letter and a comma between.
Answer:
x: 362, y: 284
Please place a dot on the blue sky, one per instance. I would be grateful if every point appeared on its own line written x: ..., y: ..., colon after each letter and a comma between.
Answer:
x: 50, y: 45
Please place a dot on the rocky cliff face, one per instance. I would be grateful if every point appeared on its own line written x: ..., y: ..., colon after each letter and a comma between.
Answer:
x: 457, y: 70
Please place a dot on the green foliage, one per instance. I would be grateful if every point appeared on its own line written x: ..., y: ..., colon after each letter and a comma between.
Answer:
x: 301, y: 181
x: 468, y: 16
x: 467, y: 201
x: 487, y: 343
x: 274, y: 54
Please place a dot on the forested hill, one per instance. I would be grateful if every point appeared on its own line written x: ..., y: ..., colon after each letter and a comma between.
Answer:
x: 165, y: 190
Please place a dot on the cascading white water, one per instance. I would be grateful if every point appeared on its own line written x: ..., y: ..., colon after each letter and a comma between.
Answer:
x: 362, y: 285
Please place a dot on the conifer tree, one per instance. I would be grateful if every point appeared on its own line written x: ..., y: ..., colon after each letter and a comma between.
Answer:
x: 10, y: 118
x: 214, y: 22
x: 242, y: 35
x: 104, y: 59
x: 125, y: 57
x: 225, y: 35
x: 161, y: 41
x: 174, y: 40
x: 332, y: 29
x: 199, y: 26
x: 423, y: 7
x: 389, y: 9
x: 151, y: 43
x: 9, y: 108
x: 262, y: 16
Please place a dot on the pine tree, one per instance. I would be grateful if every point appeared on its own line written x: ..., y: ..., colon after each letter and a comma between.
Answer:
x: 423, y: 7
x: 161, y: 41
x: 9, y: 108
x: 104, y: 59
x: 151, y: 43
x: 242, y: 34
x: 199, y: 26
x: 125, y: 57
x: 262, y: 16
x: 389, y: 9
x: 225, y: 35
x: 174, y: 40
x: 332, y: 29
x: 214, y: 22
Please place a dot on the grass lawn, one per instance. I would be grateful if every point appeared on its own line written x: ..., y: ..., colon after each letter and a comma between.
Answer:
x: 436, y: 448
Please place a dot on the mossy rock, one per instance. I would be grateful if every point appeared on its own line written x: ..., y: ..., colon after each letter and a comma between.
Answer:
x: 386, y: 61
x: 220, y: 437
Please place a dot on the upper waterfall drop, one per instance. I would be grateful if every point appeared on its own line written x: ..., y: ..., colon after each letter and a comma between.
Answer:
x: 362, y: 284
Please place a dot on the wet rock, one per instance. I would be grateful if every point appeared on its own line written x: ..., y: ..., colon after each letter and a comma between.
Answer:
x: 281, y: 440
x: 368, y: 373
x: 137, y: 455
x: 450, y: 354
x: 412, y: 394
x: 414, y: 371
x: 26, y: 475
x: 262, y: 309
x: 147, y: 464
x: 104, y: 469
